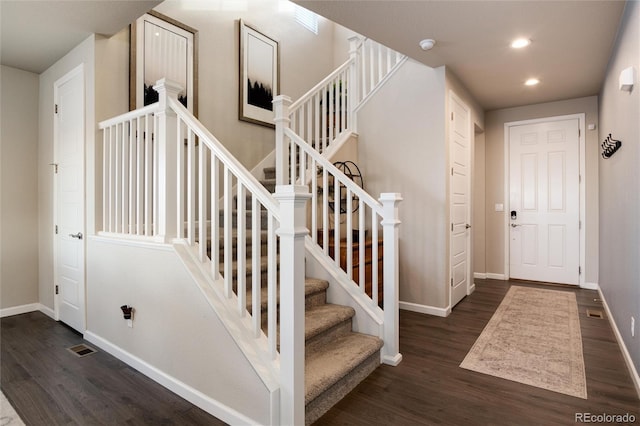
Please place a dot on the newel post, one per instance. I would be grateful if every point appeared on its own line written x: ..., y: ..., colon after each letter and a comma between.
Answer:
x: 292, y: 231
x: 354, y: 82
x: 281, y: 105
x: 390, y: 231
x: 166, y: 147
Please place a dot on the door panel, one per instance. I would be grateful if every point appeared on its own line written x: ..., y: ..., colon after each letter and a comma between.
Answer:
x: 69, y: 189
x: 459, y: 243
x: 544, y: 193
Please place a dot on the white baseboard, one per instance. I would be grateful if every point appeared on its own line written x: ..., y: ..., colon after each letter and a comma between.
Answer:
x: 480, y: 275
x: 496, y: 277
x: 471, y: 289
x: 625, y: 353
x: 17, y: 310
x: 425, y: 309
x: 197, y: 398
x: 590, y: 286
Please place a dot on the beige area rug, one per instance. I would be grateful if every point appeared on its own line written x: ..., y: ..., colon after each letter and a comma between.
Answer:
x: 8, y: 416
x: 533, y: 338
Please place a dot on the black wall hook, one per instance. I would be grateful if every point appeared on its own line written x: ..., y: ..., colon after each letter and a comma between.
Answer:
x: 610, y: 146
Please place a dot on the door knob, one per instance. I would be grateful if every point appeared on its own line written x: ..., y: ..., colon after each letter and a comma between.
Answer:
x: 78, y: 235
x: 467, y: 226
x: 513, y: 225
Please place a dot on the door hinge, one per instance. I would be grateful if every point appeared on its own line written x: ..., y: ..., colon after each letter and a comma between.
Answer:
x: 452, y: 171
x: 56, y: 229
x: 579, y: 178
x: 451, y: 116
x: 452, y: 227
x: 579, y: 132
x: 579, y: 224
x: 56, y: 289
x: 56, y: 109
x: 451, y: 282
x: 579, y: 270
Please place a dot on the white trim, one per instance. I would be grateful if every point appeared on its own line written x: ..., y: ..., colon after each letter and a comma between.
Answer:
x: 47, y: 311
x: 124, y: 240
x: 472, y: 288
x: 425, y: 309
x: 17, y: 310
x: 581, y: 117
x: 623, y: 348
x: 480, y: 275
x: 502, y: 277
x: 590, y: 286
x: 24, y: 309
x: 194, y: 396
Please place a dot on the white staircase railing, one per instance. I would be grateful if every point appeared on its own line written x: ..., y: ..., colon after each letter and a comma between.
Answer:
x: 168, y: 179
x: 342, y: 213
x: 329, y: 108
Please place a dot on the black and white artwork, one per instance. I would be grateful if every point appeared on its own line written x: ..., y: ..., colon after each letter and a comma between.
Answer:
x: 259, y: 79
x: 163, y: 48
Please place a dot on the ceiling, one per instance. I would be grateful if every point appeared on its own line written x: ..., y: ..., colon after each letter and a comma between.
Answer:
x: 571, y: 40
x: 570, y: 49
x: 35, y: 34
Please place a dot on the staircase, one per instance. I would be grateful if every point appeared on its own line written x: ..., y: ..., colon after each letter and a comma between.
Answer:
x: 168, y: 180
x: 337, y: 359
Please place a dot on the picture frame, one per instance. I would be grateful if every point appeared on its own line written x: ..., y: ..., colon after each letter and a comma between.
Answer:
x: 161, y: 47
x: 259, y: 76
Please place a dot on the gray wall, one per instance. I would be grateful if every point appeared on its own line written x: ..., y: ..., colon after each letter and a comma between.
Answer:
x: 620, y: 186
x: 18, y: 188
x: 495, y: 228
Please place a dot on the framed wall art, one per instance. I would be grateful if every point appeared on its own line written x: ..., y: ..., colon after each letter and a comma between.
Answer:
x: 162, y: 47
x: 259, y: 76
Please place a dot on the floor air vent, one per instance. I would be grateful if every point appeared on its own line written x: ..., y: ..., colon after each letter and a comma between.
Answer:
x: 81, y: 350
x: 595, y: 314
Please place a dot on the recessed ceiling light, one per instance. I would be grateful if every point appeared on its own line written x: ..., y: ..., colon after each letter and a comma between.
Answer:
x: 532, y: 82
x: 519, y: 43
x: 427, y: 44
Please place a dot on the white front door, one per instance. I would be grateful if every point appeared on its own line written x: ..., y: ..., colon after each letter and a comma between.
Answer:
x: 459, y: 243
x: 69, y: 199
x: 544, y: 204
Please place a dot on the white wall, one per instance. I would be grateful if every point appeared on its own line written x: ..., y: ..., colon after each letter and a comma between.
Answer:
x: 620, y: 186
x: 402, y: 149
x: 81, y: 54
x: 305, y: 59
x: 18, y: 188
x: 495, y: 229
x: 174, y: 329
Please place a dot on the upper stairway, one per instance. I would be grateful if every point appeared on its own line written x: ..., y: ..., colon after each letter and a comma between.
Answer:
x: 167, y: 179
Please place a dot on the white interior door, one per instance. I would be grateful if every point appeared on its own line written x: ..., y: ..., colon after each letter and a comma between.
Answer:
x: 544, y: 201
x: 69, y: 199
x: 459, y: 243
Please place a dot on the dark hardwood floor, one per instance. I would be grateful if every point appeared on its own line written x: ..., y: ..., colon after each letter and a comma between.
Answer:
x: 429, y: 387
x: 50, y: 386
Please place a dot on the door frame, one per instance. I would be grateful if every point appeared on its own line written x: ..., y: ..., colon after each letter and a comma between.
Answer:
x: 78, y: 70
x: 581, y: 117
x: 470, y: 129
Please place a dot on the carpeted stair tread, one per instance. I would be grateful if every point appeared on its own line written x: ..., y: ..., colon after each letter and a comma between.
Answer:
x: 329, y: 364
x: 311, y: 286
x: 317, y: 319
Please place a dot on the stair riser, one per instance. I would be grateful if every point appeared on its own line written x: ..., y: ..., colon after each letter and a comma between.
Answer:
x: 329, y: 335
x: 320, y: 405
